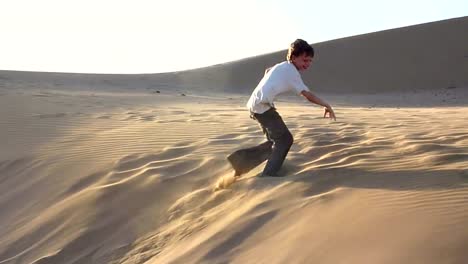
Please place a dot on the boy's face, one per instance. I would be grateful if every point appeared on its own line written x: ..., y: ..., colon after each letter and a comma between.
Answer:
x: 302, y: 62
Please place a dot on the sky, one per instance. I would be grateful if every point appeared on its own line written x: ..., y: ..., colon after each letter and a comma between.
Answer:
x: 152, y: 36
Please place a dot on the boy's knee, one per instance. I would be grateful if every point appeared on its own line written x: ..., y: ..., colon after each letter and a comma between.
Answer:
x: 287, y: 138
x: 291, y: 138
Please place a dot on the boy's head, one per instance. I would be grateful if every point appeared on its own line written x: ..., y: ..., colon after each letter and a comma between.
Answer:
x: 300, y: 53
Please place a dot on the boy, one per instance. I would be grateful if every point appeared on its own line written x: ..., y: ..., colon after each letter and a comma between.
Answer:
x: 281, y: 78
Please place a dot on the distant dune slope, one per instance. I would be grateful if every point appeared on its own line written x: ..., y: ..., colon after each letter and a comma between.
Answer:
x: 421, y: 57
x: 427, y: 56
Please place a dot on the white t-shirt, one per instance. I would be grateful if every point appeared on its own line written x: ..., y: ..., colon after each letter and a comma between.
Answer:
x: 281, y: 78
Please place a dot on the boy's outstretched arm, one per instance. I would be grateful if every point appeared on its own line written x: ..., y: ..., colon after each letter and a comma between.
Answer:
x: 316, y: 100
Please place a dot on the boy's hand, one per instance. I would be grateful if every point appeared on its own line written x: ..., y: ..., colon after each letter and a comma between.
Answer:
x: 330, y: 112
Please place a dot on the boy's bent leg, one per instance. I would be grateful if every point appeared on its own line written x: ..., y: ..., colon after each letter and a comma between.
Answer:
x: 243, y: 160
x: 280, y: 135
x: 278, y: 155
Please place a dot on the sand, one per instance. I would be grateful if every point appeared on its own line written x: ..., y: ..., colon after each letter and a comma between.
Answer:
x: 116, y: 169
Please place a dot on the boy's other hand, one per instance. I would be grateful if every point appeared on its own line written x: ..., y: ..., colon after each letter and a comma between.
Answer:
x: 330, y: 112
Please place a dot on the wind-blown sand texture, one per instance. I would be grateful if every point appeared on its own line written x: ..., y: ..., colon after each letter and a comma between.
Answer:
x: 122, y: 168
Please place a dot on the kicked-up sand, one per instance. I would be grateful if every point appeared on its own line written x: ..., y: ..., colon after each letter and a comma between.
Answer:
x: 95, y: 175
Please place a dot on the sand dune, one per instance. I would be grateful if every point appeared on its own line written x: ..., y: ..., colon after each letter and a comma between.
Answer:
x: 426, y: 57
x: 100, y: 169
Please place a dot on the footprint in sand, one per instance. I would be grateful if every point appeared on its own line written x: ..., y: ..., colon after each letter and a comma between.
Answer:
x: 147, y: 118
x: 50, y: 115
x: 104, y: 117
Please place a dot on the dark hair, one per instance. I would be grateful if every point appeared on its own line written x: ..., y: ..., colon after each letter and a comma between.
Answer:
x: 298, y: 47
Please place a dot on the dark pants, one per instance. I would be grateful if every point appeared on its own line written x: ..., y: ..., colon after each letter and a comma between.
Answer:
x: 276, y: 131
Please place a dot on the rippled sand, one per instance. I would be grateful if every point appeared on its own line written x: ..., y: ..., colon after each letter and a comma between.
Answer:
x: 96, y: 178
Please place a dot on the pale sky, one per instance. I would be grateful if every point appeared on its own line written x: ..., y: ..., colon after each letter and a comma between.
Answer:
x: 150, y: 36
